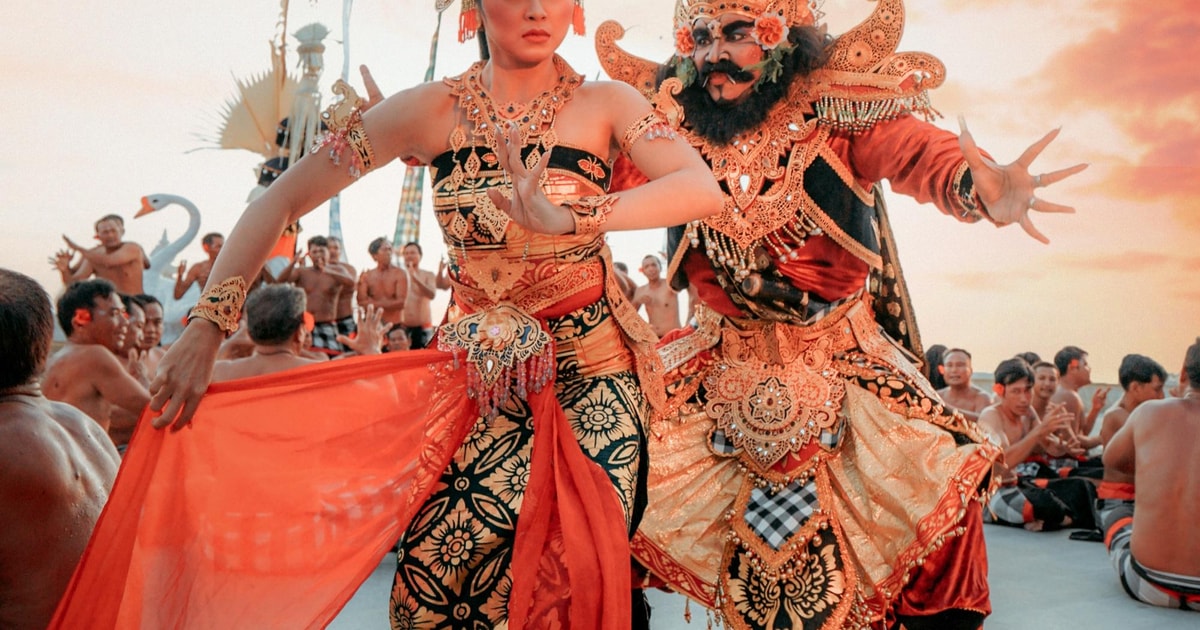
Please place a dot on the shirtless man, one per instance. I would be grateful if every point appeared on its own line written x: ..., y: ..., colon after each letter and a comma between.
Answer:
x: 386, y: 286
x: 345, y: 303
x: 56, y: 466
x: 122, y: 421
x: 959, y: 393
x: 86, y: 372
x: 1035, y: 504
x: 275, y: 321
x: 628, y: 286
x: 198, y: 274
x: 152, y: 332
x: 113, y: 259
x: 135, y: 320
x: 1075, y: 372
x: 322, y: 283
x: 1158, y: 562
x: 1045, y: 383
x: 422, y: 286
x: 1141, y: 379
x: 659, y: 299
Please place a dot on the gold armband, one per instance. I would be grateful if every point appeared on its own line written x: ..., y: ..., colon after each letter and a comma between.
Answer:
x: 652, y: 126
x: 590, y: 212
x: 971, y: 208
x: 222, y: 304
x: 344, y: 120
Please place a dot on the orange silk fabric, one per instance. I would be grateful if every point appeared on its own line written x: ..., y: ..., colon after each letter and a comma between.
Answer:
x: 287, y: 490
x: 274, y: 505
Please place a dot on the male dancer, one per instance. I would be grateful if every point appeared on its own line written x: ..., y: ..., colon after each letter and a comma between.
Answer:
x: 810, y: 477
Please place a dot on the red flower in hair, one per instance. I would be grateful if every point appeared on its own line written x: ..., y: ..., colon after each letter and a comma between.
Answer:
x: 770, y: 30
x: 82, y: 316
x: 684, y: 43
x: 998, y: 388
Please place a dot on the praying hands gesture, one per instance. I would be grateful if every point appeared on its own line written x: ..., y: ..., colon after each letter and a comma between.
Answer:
x: 529, y: 207
x: 1008, y: 191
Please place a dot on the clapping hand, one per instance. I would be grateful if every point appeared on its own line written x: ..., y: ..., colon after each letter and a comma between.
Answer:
x: 371, y: 331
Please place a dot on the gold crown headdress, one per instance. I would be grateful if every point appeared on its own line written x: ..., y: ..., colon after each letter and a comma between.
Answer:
x: 468, y: 18
x: 794, y: 12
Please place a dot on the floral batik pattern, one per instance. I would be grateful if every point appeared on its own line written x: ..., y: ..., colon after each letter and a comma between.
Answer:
x: 454, y: 561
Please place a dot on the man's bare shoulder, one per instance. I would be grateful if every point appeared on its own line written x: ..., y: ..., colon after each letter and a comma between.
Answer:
x: 74, y: 358
x: 254, y: 365
x: 1064, y: 396
x: 1155, y: 412
x: 30, y: 432
x: 1114, y: 414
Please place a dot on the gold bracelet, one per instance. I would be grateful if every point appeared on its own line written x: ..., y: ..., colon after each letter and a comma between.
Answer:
x: 652, y: 126
x: 590, y: 212
x: 968, y: 201
x: 344, y: 120
x: 222, y: 304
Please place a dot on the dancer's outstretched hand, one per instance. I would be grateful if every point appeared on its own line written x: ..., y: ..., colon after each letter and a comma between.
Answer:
x: 529, y: 207
x: 1008, y: 191
x: 184, y: 374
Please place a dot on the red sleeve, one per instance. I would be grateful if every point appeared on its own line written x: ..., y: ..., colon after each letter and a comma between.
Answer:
x: 625, y: 175
x: 918, y: 159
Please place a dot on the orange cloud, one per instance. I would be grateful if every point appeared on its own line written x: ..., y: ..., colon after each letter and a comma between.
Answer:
x: 1140, y: 70
x: 1128, y: 262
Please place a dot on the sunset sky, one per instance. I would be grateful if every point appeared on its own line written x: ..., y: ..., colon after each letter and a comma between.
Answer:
x: 106, y: 102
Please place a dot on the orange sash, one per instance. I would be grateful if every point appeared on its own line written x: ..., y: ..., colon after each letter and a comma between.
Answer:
x: 287, y: 490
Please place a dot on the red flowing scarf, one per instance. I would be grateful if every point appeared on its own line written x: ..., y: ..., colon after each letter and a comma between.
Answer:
x: 287, y: 490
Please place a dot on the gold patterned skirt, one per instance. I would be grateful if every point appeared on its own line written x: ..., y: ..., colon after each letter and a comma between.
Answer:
x: 454, y: 560
x: 807, y: 474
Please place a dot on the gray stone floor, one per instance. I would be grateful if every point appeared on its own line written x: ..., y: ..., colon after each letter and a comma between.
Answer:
x: 1040, y: 581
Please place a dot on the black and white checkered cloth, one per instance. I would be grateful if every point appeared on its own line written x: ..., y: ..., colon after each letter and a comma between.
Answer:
x: 720, y: 444
x: 775, y: 517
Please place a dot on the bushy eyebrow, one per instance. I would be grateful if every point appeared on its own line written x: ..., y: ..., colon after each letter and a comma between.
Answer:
x: 726, y: 30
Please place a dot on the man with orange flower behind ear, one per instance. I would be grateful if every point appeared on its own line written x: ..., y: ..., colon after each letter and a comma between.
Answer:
x: 86, y: 372
x: 1025, y: 499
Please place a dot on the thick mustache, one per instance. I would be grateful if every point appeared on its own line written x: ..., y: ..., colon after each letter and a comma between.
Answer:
x: 732, y: 70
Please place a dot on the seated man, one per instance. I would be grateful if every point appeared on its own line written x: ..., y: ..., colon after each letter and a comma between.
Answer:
x: 56, y: 466
x: 1074, y: 372
x: 86, y: 372
x: 276, y: 321
x: 960, y: 393
x: 1158, y: 561
x: 152, y: 331
x: 1045, y: 384
x: 397, y: 340
x: 1028, y: 498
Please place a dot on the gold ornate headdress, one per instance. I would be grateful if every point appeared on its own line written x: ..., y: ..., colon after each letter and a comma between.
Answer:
x: 468, y: 18
x: 794, y: 12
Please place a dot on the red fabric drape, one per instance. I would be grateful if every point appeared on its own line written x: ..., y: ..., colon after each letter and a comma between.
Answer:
x: 571, y: 535
x: 286, y: 491
x: 276, y: 503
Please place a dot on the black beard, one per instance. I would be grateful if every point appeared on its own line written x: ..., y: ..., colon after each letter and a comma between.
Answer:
x: 721, y: 122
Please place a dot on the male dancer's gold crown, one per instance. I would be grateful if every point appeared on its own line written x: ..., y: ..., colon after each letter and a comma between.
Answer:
x: 794, y: 12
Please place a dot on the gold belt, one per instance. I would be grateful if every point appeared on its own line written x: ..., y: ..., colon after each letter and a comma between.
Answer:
x: 575, y: 278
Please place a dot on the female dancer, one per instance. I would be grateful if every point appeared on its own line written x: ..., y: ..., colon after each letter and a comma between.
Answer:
x: 543, y: 490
